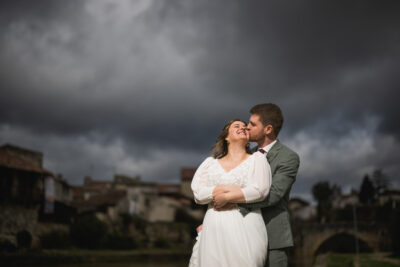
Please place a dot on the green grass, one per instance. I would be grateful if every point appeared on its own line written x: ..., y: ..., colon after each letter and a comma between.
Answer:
x: 339, y: 260
x: 365, y: 260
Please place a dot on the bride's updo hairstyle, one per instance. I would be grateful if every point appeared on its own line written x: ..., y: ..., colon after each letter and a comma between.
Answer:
x: 220, y: 148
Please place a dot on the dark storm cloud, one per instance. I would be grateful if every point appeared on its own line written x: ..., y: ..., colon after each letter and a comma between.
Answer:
x: 145, y: 86
x: 101, y: 79
x: 307, y: 55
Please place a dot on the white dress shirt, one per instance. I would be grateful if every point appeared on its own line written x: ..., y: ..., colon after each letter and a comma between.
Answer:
x: 269, y: 146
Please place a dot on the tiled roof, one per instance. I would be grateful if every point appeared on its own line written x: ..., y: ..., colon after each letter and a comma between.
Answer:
x: 168, y: 188
x: 99, y: 185
x: 110, y: 198
x: 187, y: 173
x: 11, y: 161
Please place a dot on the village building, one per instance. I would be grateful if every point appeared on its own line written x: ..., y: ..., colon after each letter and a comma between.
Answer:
x: 141, y: 195
x: 127, y: 195
x: 150, y: 201
x: 22, y: 175
x: 341, y: 201
x: 107, y: 206
x: 301, y: 209
x: 186, y: 181
x: 390, y: 196
x: 29, y: 194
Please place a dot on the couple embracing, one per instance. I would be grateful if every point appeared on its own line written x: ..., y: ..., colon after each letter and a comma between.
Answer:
x: 247, y: 220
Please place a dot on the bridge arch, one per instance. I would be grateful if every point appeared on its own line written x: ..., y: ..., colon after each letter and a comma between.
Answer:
x: 314, y: 238
x: 342, y: 242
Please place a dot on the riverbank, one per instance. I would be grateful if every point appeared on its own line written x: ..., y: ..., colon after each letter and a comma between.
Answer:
x: 43, y: 257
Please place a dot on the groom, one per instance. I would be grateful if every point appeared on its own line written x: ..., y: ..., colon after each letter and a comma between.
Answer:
x: 265, y: 123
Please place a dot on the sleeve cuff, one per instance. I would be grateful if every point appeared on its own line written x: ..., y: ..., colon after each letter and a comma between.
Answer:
x: 206, y: 194
x: 247, y: 192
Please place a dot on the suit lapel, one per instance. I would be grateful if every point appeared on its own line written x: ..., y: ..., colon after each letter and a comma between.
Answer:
x: 273, y: 152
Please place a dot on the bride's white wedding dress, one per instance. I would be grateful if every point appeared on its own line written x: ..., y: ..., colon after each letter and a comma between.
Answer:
x: 228, y: 238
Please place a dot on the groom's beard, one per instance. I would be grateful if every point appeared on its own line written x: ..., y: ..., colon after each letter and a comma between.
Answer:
x: 256, y: 138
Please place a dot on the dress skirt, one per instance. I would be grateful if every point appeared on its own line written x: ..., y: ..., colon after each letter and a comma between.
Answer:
x: 230, y: 239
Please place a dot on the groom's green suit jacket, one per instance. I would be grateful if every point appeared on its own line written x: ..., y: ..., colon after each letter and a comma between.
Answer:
x: 284, y: 165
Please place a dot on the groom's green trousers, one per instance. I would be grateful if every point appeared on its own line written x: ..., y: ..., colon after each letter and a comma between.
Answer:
x: 278, y: 257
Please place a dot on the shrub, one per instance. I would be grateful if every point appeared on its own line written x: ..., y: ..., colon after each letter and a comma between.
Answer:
x: 161, y: 242
x: 139, y: 223
x: 395, y: 231
x: 182, y: 216
x: 119, y: 241
x: 7, y: 246
x: 127, y: 219
x: 88, y: 232
x: 55, y: 240
x: 24, y: 239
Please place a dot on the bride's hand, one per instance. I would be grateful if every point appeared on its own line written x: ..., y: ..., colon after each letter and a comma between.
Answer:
x: 230, y: 188
x: 219, y: 189
x: 220, y: 200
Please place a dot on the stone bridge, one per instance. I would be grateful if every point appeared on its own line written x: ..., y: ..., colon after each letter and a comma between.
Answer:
x: 312, y: 239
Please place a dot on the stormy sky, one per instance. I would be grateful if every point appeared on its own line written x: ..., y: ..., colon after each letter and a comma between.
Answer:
x: 144, y: 87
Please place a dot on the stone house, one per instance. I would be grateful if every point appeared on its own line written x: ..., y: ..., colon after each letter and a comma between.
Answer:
x: 129, y: 195
x: 341, y: 201
x: 301, y: 209
x: 186, y: 181
x: 107, y: 206
x: 173, y: 192
x: 21, y: 176
x: 30, y: 196
x: 57, y: 206
x: 141, y: 195
x: 95, y: 187
x: 390, y: 196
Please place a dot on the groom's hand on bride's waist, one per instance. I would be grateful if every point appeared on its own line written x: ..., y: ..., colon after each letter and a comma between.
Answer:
x: 227, y: 206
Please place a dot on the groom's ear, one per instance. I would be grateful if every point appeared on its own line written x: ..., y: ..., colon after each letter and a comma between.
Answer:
x: 268, y: 130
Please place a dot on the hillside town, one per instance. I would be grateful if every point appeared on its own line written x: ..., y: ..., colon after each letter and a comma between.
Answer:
x: 40, y: 209
x: 36, y: 200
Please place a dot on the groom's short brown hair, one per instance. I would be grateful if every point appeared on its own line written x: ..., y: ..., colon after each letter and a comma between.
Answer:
x: 270, y: 114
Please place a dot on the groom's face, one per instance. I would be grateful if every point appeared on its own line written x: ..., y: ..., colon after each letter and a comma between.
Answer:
x: 256, y: 128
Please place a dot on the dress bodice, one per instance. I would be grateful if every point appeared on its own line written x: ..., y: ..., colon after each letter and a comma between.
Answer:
x: 253, y: 176
x: 237, y: 176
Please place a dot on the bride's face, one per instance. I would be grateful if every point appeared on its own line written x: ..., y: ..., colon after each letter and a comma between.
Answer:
x: 237, y: 131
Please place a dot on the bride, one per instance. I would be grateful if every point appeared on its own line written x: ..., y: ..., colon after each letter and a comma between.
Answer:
x: 231, y: 175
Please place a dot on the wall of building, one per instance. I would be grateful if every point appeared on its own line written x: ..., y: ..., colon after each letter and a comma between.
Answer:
x: 186, y: 189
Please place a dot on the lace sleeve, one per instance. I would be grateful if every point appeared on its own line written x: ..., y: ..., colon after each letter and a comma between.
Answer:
x: 202, y: 193
x: 259, y: 182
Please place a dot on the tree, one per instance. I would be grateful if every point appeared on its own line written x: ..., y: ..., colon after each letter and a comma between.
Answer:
x: 88, y: 232
x: 324, y: 193
x: 381, y: 181
x: 367, y: 191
